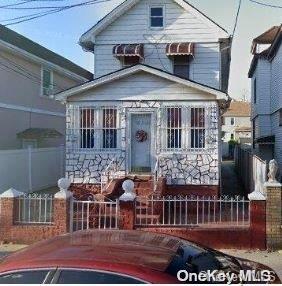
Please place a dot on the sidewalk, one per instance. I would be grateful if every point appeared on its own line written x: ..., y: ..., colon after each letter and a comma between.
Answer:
x: 271, y: 259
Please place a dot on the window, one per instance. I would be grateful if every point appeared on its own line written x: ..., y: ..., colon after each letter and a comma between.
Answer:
x: 94, y: 277
x: 109, y: 128
x: 181, y: 66
x: 232, y: 121
x: 156, y: 17
x: 197, y: 128
x: 87, y: 128
x: 47, y: 82
x: 98, y: 128
x: 280, y: 117
x: 174, y: 131
x: 232, y: 136
x: 130, y: 61
x: 255, y: 90
x: 24, y: 277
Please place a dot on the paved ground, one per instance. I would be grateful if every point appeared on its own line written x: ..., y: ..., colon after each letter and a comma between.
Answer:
x: 271, y: 259
x: 230, y: 182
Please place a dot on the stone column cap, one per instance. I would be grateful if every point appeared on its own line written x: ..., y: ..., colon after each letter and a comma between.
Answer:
x: 273, y: 184
x: 63, y: 194
x: 256, y: 196
x: 11, y: 193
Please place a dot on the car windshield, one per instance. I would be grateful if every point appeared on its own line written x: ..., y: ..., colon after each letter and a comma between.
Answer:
x: 195, y: 259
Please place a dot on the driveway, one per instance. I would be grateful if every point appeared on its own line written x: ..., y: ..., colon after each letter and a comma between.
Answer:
x: 231, y: 185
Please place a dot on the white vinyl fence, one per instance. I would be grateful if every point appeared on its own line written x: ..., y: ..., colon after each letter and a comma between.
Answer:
x: 31, y: 169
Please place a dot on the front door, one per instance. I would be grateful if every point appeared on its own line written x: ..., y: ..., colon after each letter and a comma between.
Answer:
x: 141, y: 142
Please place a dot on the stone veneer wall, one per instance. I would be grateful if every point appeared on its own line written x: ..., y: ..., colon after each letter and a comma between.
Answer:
x: 197, y: 168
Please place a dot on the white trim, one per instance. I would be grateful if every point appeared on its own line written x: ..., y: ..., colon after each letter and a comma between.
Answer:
x: 30, y: 109
x: 62, y: 96
x: 90, y: 35
x: 41, y: 61
x: 162, y: 6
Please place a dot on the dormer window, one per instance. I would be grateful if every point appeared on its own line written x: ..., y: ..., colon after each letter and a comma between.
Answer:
x: 156, y: 17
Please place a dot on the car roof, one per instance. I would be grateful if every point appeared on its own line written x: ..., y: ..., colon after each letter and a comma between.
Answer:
x: 132, y: 248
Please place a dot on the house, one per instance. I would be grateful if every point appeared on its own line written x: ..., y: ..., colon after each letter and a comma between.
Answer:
x: 265, y: 74
x: 29, y: 75
x: 153, y: 108
x: 236, y: 125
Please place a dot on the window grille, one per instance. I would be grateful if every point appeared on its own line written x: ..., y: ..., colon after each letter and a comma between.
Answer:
x: 174, y: 128
x: 109, y: 128
x: 198, y: 128
x: 87, y: 130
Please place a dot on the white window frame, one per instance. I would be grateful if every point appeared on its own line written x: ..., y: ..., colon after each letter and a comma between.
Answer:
x: 51, y: 81
x: 149, y: 16
x: 98, y: 129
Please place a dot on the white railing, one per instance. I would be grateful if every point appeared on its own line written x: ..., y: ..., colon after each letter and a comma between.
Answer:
x: 34, y: 209
x: 156, y: 173
x: 94, y: 215
x: 183, y: 211
x: 111, y: 172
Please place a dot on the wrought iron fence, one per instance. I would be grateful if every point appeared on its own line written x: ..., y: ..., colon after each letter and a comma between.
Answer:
x: 181, y: 211
x: 94, y: 215
x: 34, y: 209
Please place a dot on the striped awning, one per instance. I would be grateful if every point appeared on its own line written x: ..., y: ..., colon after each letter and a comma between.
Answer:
x: 129, y: 50
x: 180, y: 49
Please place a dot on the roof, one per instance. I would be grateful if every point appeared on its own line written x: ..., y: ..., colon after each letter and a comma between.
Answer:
x: 238, y: 109
x: 15, y: 39
x: 101, y: 249
x: 88, y: 38
x: 273, y: 37
x: 133, y: 69
x: 39, y: 133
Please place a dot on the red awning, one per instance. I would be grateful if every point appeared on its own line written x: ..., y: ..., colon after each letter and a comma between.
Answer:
x: 180, y: 49
x: 129, y: 50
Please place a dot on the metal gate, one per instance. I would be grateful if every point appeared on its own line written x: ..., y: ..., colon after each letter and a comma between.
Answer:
x: 94, y: 215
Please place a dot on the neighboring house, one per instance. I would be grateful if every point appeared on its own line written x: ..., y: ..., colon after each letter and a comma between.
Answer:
x: 266, y: 76
x: 236, y: 123
x: 161, y: 74
x: 29, y: 75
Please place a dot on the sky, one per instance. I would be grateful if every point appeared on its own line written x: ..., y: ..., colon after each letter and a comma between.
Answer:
x: 60, y: 32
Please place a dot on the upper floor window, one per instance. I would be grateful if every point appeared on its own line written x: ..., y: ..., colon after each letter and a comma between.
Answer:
x: 280, y: 117
x: 156, y: 17
x: 232, y: 121
x: 130, y: 61
x: 47, y: 82
x: 255, y: 90
x: 181, y: 66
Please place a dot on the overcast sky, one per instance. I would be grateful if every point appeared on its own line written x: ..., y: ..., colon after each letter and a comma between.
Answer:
x: 60, y: 32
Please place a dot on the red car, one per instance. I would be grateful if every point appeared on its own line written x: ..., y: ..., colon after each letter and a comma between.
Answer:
x: 119, y: 257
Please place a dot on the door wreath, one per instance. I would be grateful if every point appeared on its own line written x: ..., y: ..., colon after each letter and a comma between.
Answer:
x: 141, y: 136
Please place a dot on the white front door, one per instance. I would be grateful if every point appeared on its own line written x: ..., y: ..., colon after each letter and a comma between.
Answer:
x: 141, y: 142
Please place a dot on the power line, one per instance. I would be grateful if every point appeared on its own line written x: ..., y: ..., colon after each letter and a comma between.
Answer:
x: 236, y: 18
x: 266, y: 5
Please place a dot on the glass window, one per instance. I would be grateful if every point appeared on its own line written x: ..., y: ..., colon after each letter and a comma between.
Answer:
x: 47, y: 82
x: 156, y: 17
x: 280, y: 117
x: 232, y: 121
x: 174, y: 128
x: 255, y: 90
x: 130, y: 61
x: 24, y: 277
x: 87, y: 128
x: 109, y: 128
x: 197, y: 128
x: 181, y: 66
x: 93, y: 277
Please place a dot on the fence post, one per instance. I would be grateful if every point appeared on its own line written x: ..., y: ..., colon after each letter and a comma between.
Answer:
x: 7, y: 207
x: 273, y: 215
x: 29, y: 160
x: 62, y: 207
x: 127, y: 206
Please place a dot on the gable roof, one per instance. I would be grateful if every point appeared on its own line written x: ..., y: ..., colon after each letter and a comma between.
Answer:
x: 19, y: 41
x: 87, y: 40
x: 134, y: 69
x: 238, y: 109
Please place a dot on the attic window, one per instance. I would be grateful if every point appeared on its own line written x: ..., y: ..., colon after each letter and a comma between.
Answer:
x: 156, y: 17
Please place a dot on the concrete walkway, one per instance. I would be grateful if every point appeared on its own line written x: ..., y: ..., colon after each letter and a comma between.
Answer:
x: 230, y: 183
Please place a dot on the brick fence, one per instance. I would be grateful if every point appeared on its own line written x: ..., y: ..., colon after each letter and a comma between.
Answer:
x: 264, y: 231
